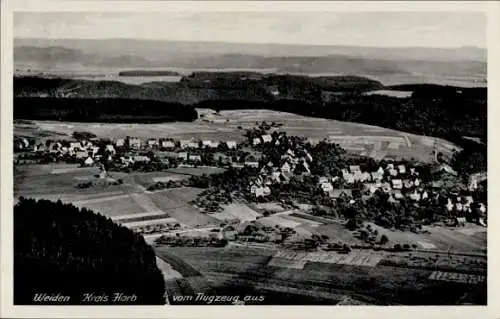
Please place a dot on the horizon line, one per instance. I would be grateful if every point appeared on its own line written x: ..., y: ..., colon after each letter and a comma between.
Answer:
x: 253, y: 43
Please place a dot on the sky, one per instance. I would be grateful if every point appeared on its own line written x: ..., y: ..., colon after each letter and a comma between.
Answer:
x: 376, y: 29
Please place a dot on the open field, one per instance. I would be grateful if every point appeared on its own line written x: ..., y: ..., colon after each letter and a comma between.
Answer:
x: 175, y: 202
x: 38, y: 180
x: 128, y: 203
x: 383, y: 284
x: 359, y: 138
x: 472, y: 238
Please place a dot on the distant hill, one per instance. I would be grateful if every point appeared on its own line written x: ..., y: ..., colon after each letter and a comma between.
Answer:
x: 160, y: 50
x: 408, y: 63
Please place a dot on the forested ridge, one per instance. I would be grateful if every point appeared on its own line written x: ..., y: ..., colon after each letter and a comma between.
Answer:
x: 441, y: 111
x: 60, y: 249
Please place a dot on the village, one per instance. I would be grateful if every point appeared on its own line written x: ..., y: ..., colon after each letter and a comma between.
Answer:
x: 272, y: 167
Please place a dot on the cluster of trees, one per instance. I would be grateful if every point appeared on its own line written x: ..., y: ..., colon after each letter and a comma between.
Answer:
x: 110, y: 110
x: 431, y: 110
x: 59, y: 248
x: 185, y: 241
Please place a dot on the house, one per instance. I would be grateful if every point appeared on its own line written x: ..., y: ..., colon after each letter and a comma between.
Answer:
x: 326, y: 187
x: 397, y: 184
x: 75, y: 146
x: 285, y: 168
x: 349, y: 178
x: 120, y: 142
x: 475, y: 179
x: 365, y: 176
x: 398, y: 194
x: 193, y: 144
x: 416, y: 182
x: 412, y: 171
x: 95, y: 150
x: 141, y: 159
x: 88, y: 161
x: 109, y: 148
x: 229, y: 233
x: 381, y: 171
x: 309, y: 157
x: 337, y: 193
x: 469, y: 200
x: 372, y: 187
x: 134, y: 142
x: 390, y: 166
x: 184, y: 143
x: 425, y: 195
x: 357, y: 176
x: 256, y: 141
x: 267, y: 138
x: 322, y: 180
x: 267, y: 191
x: 393, y: 172
x: 231, y: 144
x: 445, y: 168
x: 391, y: 199
x: 377, y: 176
x: 386, y: 187
x: 407, y: 183
x: 261, y: 191
x: 167, y: 144
x: 81, y: 154
x: 182, y: 155
x: 252, y: 163
x: 354, y: 169
x: 460, y: 221
x: 415, y: 196
x: 126, y: 160
x: 214, y: 144
x: 449, y: 205
x: 402, y: 169
x: 194, y: 158
x: 335, y: 179
x: 306, y: 167
x: 152, y: 142
x: 206, y: 143
x: 482, y: 208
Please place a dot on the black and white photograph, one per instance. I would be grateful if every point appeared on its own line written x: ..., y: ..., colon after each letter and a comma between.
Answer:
x: 256, y: 158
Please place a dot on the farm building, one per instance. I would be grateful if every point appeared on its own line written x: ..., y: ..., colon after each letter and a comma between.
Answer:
x: 167, y: 144
x: 377, y: 176
x: 267, y: 138
x: 194, y: 158
x: 134, y: 142
x: 182, y: 155
x: 141, y: 159
x: 397, y: 184
x: 252, y: 163
x: 120, y: 142
x: 152, y: 142
x: 256, y: 141
x: 231, y: 144
x: 193, y: 144
x: 184, y: 143
x: 285, y: 167
x: 88, y: 161
x: 75, y: 146
x: 326, y: 187
x: 109, y: 148
x: 81, y: 154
